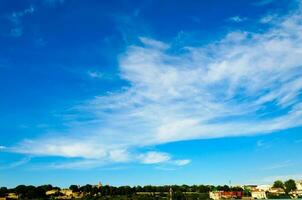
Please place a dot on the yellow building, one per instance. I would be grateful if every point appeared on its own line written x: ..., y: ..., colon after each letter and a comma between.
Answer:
x: 52, y: 192
x: 67, y: 192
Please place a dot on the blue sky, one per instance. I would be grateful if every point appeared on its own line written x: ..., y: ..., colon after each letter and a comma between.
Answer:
x: 150, y: 92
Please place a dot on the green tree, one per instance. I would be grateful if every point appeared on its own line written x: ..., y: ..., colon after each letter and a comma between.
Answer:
x: 290, y: 185
x: 236, y: 189
x: 278, y: 184
x: 74, y: 188
x: 3, y: 191
x: 20, y: 190
x: 86, y: 188
x: 246, y: 192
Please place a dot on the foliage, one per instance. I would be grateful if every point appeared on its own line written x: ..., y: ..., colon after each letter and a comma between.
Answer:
x: 278, y: 184
x: 290, y: 185
x: 277, y: 196
x: 74, y: 188
x: 3, y: 191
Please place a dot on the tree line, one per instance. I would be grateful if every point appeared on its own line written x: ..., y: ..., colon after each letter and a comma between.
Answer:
x: 39, y: 192
x: 179, y: 191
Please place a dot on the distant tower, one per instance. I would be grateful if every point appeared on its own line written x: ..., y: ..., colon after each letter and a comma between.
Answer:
x: 171, y: 193
x: 99, y: 184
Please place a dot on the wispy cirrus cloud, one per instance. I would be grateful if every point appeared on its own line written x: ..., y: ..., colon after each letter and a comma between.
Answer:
x: 284, y: 164
x: 16, y: 20
x: 245, y: 84
x: 18, y: 163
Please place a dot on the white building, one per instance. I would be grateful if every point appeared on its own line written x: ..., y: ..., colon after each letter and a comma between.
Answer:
x: 264, y: 187
x: 215, y: 195
x: 258, y: 194
x: 299, y: 185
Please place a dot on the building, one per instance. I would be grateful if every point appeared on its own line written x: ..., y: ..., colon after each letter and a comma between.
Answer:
x: 52, y: 192
x: 12, y: 196
x: 215, y: 195
x: 225, y: 195
x: 264, y: 187
x: 67, y: 192
x: 299, y: 185
x: 258, y: 194
x: 298, y: 192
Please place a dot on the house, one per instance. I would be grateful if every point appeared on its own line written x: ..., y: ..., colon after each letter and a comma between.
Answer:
x: 215, y: 195
x: 298, y: 192
x: 299, y: 185
x: 258, y: 194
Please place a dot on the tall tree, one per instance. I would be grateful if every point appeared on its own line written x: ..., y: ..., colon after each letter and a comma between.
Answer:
x: 290, y: 185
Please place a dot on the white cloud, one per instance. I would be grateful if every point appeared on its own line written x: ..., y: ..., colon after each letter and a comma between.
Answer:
x: 119, y: 156
x: 15, y: 17
x: 153, y: 43
x: 60, y: 146
x: 95, y: 74
x: 264, y: 144
x: 237, y: 19
x: 80, y: 164
x: 182, y: 162
x: 153, y: 157
x: 247, y: 83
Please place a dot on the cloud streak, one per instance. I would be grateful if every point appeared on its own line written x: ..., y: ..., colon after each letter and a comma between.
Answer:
x: 245, y: 84
x: 237, y: 19
x: 16, y: 20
